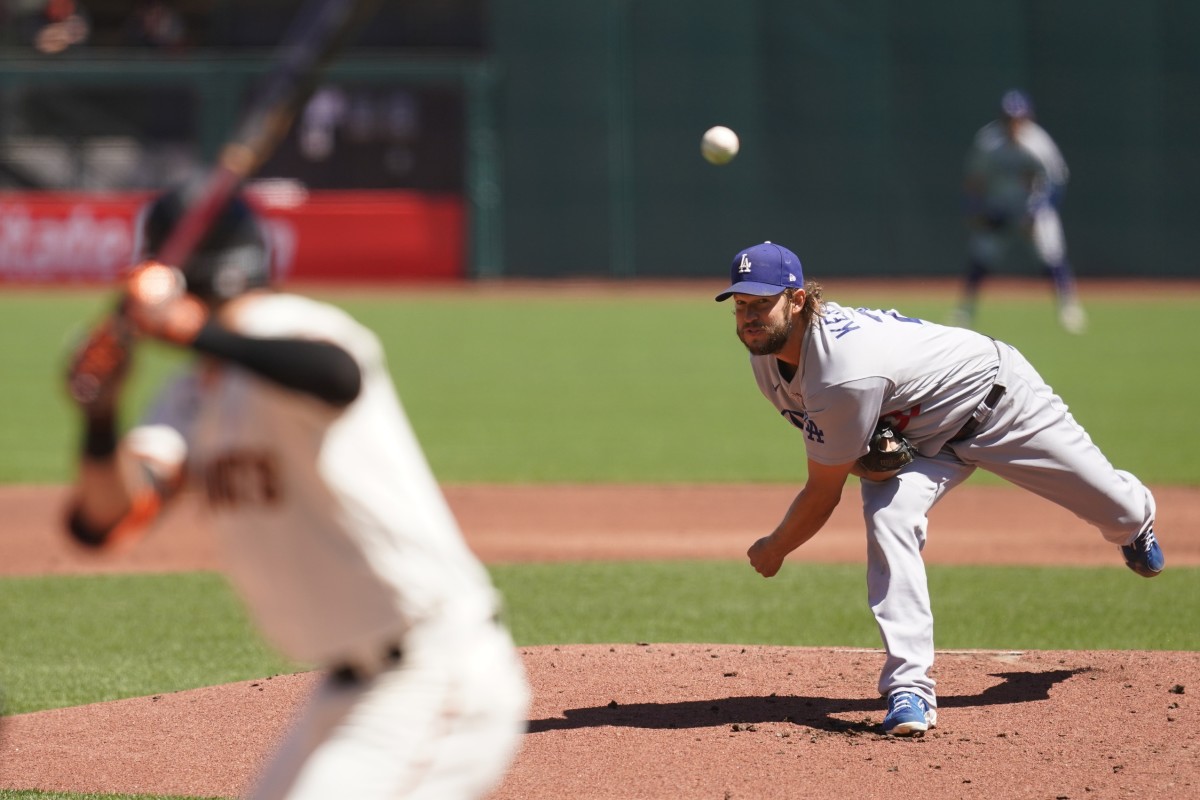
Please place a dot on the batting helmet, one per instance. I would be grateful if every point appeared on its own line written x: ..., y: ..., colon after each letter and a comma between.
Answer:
x: 233, y: 257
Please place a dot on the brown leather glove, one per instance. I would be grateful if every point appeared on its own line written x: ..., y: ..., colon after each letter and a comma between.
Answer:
x: 889, y: 450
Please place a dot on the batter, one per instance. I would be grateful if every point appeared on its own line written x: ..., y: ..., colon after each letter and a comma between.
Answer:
x: 960, y: 399
x: 333, y: 527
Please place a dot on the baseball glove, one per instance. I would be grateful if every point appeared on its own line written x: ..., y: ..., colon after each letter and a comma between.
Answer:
x: 889, y: 450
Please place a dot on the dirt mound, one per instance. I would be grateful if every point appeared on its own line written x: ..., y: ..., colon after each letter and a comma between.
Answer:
x: 661, y: 722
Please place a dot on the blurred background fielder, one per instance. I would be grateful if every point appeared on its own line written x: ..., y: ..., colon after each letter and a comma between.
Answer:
x: 1014, y: 186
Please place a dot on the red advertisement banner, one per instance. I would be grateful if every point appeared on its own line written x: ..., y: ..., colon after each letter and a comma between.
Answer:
x: 321, y: 236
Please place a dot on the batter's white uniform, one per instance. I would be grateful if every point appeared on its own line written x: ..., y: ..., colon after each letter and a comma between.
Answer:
x: 1017, y: 180
x: 344, y: 549
x: 861, y: 365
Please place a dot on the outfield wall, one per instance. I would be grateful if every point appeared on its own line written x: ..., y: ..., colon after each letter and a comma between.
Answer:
x: 855, y: 118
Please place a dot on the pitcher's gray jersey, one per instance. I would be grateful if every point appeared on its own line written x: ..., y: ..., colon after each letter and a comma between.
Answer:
x: 861, y: 365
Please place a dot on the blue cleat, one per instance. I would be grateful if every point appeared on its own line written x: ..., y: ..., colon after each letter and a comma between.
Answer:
x: 908, y: 714
x: 1143, y: 555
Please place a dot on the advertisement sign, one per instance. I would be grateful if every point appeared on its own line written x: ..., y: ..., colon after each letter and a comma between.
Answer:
x: 355, y: 236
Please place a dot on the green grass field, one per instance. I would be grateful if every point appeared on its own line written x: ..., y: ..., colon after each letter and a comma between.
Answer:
x: 573, y: 389
x: 70, y: 641
x: 633, y: 390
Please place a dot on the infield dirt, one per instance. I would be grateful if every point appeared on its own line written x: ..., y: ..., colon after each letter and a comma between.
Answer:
x: 657, y: 721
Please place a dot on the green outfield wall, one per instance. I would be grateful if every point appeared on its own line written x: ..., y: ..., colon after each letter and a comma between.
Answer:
x: 854, y: 117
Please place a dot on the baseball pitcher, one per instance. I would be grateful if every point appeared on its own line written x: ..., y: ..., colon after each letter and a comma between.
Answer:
x: 912, y: 408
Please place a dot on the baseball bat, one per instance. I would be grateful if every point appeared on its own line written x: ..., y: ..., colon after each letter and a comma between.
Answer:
x: 317, y: 33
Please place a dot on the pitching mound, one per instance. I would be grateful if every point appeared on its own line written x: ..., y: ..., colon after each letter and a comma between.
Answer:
x: 662, y: 722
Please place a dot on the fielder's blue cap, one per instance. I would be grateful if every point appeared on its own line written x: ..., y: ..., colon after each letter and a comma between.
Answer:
x: 1015, y: 104
x: 764, y: 269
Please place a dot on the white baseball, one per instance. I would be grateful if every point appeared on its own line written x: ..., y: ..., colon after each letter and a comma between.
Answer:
x: 719, y: 145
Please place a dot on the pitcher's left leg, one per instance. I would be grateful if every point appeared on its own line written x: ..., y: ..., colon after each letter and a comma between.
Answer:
x: 896, y: 513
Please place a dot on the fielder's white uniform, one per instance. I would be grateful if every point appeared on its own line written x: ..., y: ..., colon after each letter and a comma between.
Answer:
x: 1018, y: 180
x: 346, y: 553
x: 861, y: 365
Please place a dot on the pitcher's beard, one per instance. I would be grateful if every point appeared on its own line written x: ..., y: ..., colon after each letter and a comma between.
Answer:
x: 776, y: 337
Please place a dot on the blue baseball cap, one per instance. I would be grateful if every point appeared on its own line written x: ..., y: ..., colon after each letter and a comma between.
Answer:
x: 1015, y: 104
x: 764, y: 269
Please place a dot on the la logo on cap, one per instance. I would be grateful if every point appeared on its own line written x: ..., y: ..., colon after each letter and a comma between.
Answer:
x: 764, y: 270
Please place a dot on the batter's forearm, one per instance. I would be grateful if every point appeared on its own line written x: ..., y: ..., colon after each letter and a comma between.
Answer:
x: 109, y: 507
x: 100, y: 434
x: 99, y: 503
